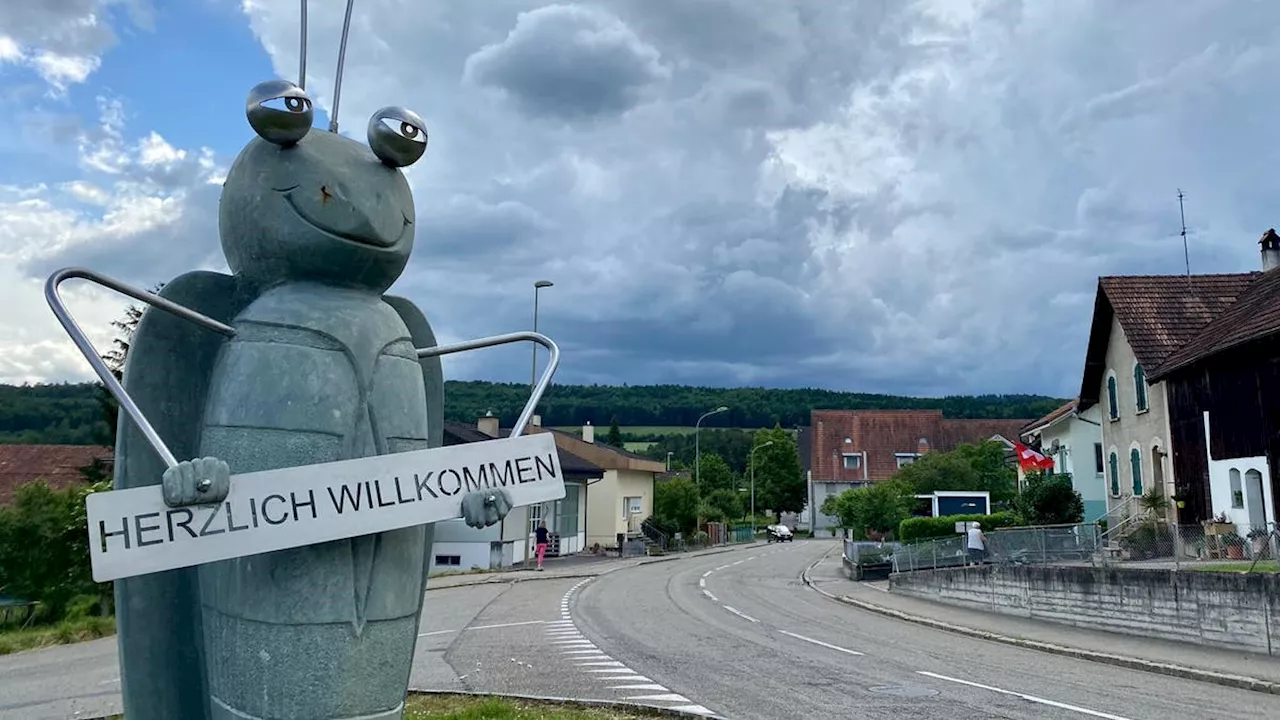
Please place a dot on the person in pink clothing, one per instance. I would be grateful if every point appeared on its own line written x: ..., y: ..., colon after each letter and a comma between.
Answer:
x: 541, y: 547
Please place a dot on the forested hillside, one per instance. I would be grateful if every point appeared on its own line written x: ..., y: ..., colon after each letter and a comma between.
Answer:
x: 72, y: 414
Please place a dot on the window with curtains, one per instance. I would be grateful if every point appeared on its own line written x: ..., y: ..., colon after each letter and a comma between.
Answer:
x: 1115, y: 475
x: 1113, y: 404
x: 1135, y: 461
x: 1139, y: 388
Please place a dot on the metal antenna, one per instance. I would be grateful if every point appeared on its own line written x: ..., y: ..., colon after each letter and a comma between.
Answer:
x: 342, y: 56
x: 1182, y: 214
x: 302, y: 52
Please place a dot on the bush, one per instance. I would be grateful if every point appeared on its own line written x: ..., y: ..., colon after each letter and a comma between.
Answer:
x: 923, y: 528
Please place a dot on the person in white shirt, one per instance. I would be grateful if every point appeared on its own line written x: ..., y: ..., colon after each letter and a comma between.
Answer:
x: 977, y: 543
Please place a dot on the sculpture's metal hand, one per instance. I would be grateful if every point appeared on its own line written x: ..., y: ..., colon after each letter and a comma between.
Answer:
x: 552, y: 363
x: 483, y: 508
x: 196, y: 482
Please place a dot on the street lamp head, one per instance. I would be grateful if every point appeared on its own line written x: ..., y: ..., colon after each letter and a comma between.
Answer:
x: 543, y: 283
x: 765, y: 444
x: 722, y: 408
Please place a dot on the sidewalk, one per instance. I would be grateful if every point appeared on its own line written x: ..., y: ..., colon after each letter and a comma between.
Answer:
x: 574, y: 566
x: 1220, y: 666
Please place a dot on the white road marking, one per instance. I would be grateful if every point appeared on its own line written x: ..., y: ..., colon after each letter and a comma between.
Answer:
x: 609, y: 663
x: 583, y: 652
x: 707, y: 573
x: 819, y: 642
x: 436, y: 632
x: 1031, y: 698
x: 739, y: 613
x: 628, y: 678
x: 702, y: 582
x: 695, y: 709
x: 876, y: 587
x: 672, y: 697
x: 571, y: 643
x: 735, y: 563
x: 611, y: 670
x: 753, y: 557
x: 645, y: 686
x: 483, y: 627
x: 708, y: 594
x: 722, y: 567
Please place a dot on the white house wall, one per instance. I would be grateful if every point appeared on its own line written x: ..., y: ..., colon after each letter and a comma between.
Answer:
x: 1076, y: 437
x: 1220, y: 486
x: 1143, y: 430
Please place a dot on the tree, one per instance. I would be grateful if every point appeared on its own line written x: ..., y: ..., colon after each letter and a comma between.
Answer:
x: 1050, y: 500
x: 968, y: 467
x: 722, y: 505
x: 873, y: 510
x: 115, y: 359
x: 713, y: 473
x: 675, y: 505
x: 780, y: 482
x: 614, y: 437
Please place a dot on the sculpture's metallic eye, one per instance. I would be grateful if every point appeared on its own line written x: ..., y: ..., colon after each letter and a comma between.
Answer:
x: 279, y: 111
x: 397, y: 136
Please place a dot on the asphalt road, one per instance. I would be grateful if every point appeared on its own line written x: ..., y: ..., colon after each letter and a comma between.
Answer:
x: 741, y: 635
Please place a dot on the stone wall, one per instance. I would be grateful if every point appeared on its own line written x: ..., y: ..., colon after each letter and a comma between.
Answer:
x: 1230, y: 610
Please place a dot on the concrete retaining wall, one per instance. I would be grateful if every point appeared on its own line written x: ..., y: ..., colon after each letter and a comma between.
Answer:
x: 1236, y: 611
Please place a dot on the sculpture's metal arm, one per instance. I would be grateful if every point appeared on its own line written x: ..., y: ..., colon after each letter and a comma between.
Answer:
x: 495, y: 340
x: 95, y: 360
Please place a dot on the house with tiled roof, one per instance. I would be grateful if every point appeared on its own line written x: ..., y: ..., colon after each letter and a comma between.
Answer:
x: 1073, y: 439
x: 853, y: 448
x: 457, y: 546
x: 1139, y: 322
x: 59, y: 466
x: 1223, y: 393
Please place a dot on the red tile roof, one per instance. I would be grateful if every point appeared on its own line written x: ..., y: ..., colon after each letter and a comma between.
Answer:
x: 1158, y: 313
x: 1057, y: 414
x: 1254, y: 315
x: 882, y: 434
x: 57, y: 465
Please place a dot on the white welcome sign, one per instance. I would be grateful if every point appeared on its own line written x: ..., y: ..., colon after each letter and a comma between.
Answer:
x: 133, y: 532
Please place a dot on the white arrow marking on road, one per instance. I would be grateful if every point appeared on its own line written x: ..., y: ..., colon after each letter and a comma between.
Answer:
x: 1032, y: 698
x: 819, y: 642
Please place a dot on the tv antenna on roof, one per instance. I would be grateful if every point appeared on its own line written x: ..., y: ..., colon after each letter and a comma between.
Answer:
x: 1182, y: 214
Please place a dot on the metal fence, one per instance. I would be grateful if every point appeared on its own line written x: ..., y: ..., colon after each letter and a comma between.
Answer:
x: 1227, y: 547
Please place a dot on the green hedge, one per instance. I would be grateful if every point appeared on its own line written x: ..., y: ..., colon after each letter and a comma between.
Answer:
x: 923, y: 528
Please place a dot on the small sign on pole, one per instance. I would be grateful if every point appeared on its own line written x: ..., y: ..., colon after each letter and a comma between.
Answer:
x: 133, y: 532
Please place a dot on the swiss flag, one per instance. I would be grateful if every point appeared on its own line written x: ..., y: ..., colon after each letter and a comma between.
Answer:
x: 1029, y: 459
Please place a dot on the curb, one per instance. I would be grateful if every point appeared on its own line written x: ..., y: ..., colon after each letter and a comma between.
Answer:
x: 636, y: 708
x: 1180, y: 671
x: 491, y: 578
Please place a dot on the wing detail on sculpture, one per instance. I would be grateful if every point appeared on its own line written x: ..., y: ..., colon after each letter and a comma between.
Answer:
x: 432, y: 374
x: 167, y: 375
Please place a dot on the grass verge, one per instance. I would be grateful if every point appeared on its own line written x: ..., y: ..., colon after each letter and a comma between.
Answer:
x: 1263, y: 566
x: 63, y: 633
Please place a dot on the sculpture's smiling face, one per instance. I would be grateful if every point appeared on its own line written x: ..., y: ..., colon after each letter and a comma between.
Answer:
x: 305, y: 204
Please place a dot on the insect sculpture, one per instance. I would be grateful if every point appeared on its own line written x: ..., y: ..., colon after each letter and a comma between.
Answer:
x: 297, y: 357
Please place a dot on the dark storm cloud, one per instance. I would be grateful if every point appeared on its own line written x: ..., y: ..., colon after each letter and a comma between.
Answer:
x: 569, y: 62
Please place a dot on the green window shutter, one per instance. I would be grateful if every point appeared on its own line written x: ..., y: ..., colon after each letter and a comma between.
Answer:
x: 1139, y: 388
x: 1135, y: 459
x: 1115, y: 475
x: 1113, y: 404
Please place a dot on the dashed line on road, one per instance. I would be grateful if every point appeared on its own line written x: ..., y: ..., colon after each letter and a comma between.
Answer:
x: 740, y: 614
x: 827, y: 645
x: 1030, y: 698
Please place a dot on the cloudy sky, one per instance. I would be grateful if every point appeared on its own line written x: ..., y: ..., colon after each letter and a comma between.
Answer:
x: 877, y: 195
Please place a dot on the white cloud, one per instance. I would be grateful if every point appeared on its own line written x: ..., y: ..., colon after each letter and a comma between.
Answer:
x: 127, y: 197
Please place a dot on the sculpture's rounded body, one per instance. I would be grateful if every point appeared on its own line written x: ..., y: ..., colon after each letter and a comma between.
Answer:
x: 315, y: 374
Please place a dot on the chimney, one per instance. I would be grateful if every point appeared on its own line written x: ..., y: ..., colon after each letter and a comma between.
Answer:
x: 1270, y: 243
x: 589, y: 432
x: 922, y: 447
x: 488, y: 425
x: 535, y: 420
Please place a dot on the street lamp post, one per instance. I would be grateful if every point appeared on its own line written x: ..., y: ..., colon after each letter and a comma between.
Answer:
x: 697, y: 456
x: 533, y: 373
x: 669, y: 454
x: 751, y: 463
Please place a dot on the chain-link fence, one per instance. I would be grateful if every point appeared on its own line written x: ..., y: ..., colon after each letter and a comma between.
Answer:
x: 1224, y: 546
x: 1145, y: 542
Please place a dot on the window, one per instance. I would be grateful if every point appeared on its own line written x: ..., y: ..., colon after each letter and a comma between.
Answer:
x: 852, y: 462
x: 1097, y: 459
x: 630, y: 506
x: 567, y: 520
x: 1237, y: 490
x: 904, y: 459
x: 1113, y: 405
x: 1135, y: 461
x: 1139, y: 388
x: 1115, y: 475
x: 448, y: 560
x: 535, y: 516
